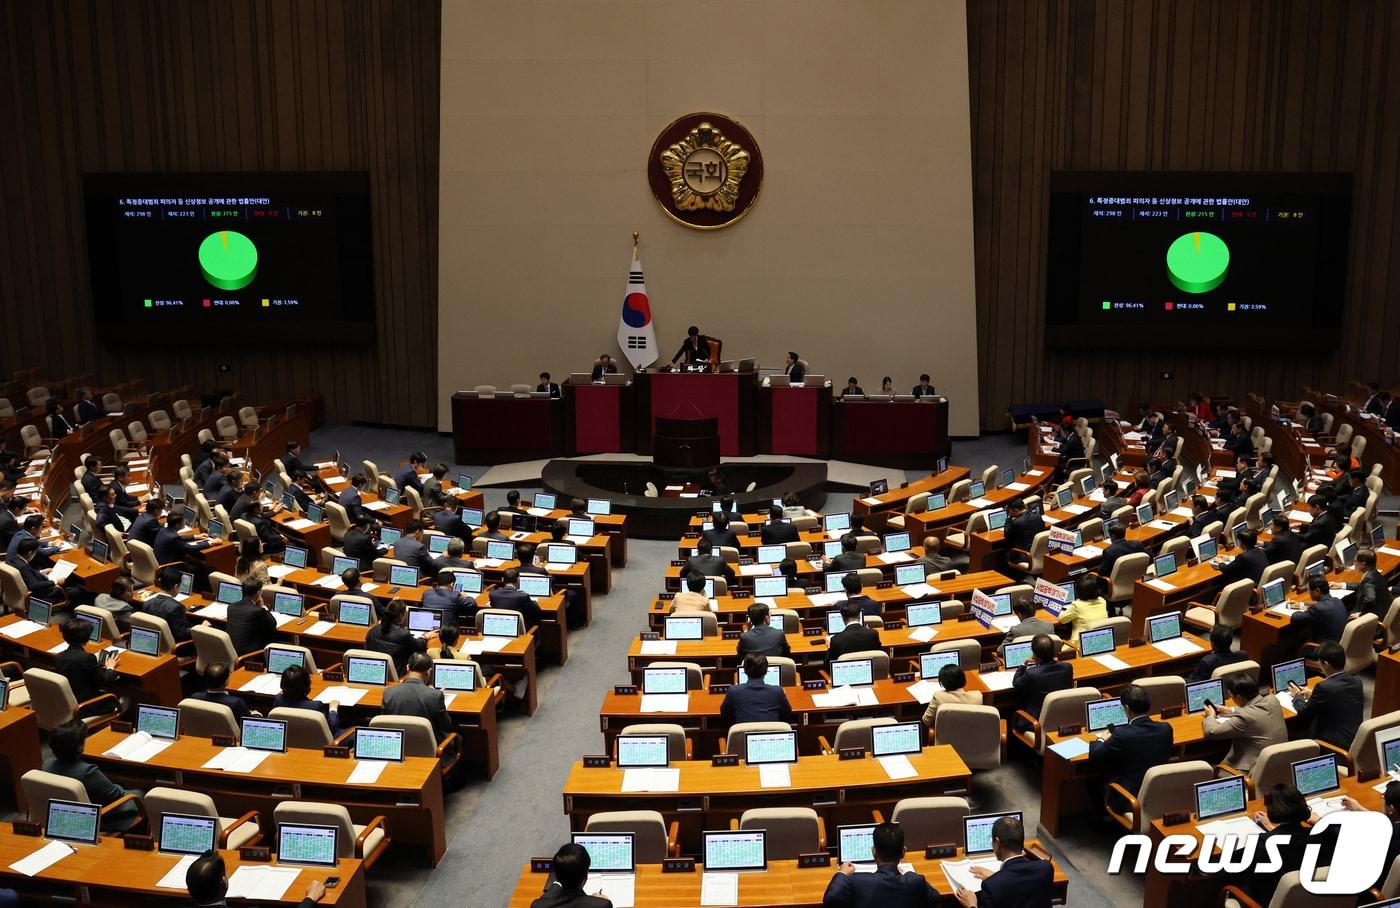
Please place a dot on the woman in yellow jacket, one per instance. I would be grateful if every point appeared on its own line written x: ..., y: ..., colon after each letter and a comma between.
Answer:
x: 1088, y: 606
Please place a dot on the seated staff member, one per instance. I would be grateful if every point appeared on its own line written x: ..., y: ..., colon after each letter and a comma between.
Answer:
x: 1126, y: 752
x: 1335, y: 703
x: 1372, y: 593
x: 30, y: 528
x: 491, y: 528
x: 165, y: 605
x: 407, y: 477
x: 1283, y: 544
x: 887, y: 887
x: 604, y: 366
x: 1248, y: 565
x: 87, y: 409
x: 855, y: 637
x: 414, y: 696
x: 1285, y: 818
x: 105, y: 510
x: 433, y: 485
x: 1253, y: 722
x: 1222, y: 652
x: 35, y: 582
x: 449, y: 521
x: 569, y: 873
x: 1326, y: 617
x: 1022, y: 881
x: 1022, y: 525
x: 299, y: 470
x: 852, y: 388
x: 755, y: 701
x: 250, y: 562
x: 848, y: 559
x: 547, y: 387
x: 887, y: 385
x: 86, y: 677
x: 296, y: 694
x: 933, y: 559
x: 850, y: 584
x: 350, y: 497
x: 443, y: 598
x: 1118, y: 545
x: 761, y: 638
x: 924, y: 388
x: 1041, y: 675
x: 1324, y: 527
x: 455, y: 556
x: 708, y: 564
x: 147, y: 524
x: 207, y: 883
x: 1028, y: 625
x: 695, y: 349
x: 412, y: 552
x: 250, y: 624
x: 1088, y: 606
x: 127, y: 505
x: 67, y: 742
x: 1112, y: 501
x: 216, y: 691
x: 120, y: 602
x: 953, y: 682
x: 358, y: 543
x: 392, y: 638
x: 273, y: 542
x: 794, y: 369
x: 172, y: 548
x: 57, y: 424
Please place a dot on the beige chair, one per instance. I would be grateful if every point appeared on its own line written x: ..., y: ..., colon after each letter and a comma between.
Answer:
x: 206, y: 720
x: 390, y: 672
x: 960, y: 491
x: 1122, y: 627
x: 1033, y: 561
x: 652, y: 841
x: 1092, y: 529
x: 1392, y: 623
x: 306, y: 728
x: 975, y: 732
x: 694, y: 674
x: 1227, y: 610
x: 1310, y: 554
x: 930, y: 821
x: 1361, y: 758
x: 1283, y: 570
x: 160, y: 626
x: 144, y: 565
x: 1275, y: 764
x: 960, y: 540
x: 1390, y: 888
x: 420, y: 740
x: 212, y: 644
x: 969, y: 652
x: 105, y: 620
x: 1244, y: 667
x: 182, y: 410
x: 791, y: 831
x: 790, y: 622
x: 227, y: 427
x: 41, y: 787
x: 736, y: 742
x: 1165, y: 691
x: 1289, y: 894
x: 1061, y: 707
x: 244, y: 531
x: 1357, y: 642
x: 677, y: 747
x: 856, y: 733
x: 1166, y: 788
x: 879, y: 661
x: 248, y: 417
x: 1127, y: 571
x: 52, y: 701
x: 158, y: 420
x: 787, y: 670
x: 233, y: 833
x: 13, y: 591
x: 799, y: 551
x: 367, y: 842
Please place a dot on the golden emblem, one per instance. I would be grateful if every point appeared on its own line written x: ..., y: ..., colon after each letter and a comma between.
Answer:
x: 705, y: 169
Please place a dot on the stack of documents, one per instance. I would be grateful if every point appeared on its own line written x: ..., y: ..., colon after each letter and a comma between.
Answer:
x: 138, y: 748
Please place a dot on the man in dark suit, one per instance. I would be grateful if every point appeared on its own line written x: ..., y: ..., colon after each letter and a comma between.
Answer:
x: 1372, y: 594
x: 147, y: 524
x: 1283, y: 544
x: 414, y: 696
x: 1071, y: 448
x: 1325, y: 525
x: 273, y: 543
x: 1222, y: 652
x: 216, y: 691
x: 850, y: 584
x: 887, y: 887
x: 1392, y: 414
x: 412, y: 552
x: 1326, y: 618
x: 1125, y: 752
x: 795, y: 371
x: 165, y: 605
x: 1041, y: 674
x: 87, y: 677
x: 491, y: 527
x: 569, y: 874
x: 776, y: 529
x: 92, y: 483
x: 508, y: 595
x: 707, y: 564
x: 10, y: 517
x: 1169, y: 446
x: 171, y: 547
x: 37, y: 584
x: 855, y: 637
x: 87, y: 410
x: 350, y: 497
x: 358, y: 543
x: 1021, y: 526
x: 32, y: 526
x: 1022, y: 881
x: 1335, y: 703
x: 407, y: 477
x: 1151, y: 426
x: 250, y: 625
x: 1249, y: 564
x: 1202, y: 516
x: 1356, y: 493
x: 57, y: 424
x: 1160, y: 469
x: 761, y: 638
x: 1118, y: 546
x: 754, y: 701
x: 449, y: 519
x: 207, y: 882
x: 547, y: 386
x: 848, y: 560
x: 604, y: 366
x: 1027, y: 625
x: 720, y: 533
x: 924, y: 388
x: 217, y: 483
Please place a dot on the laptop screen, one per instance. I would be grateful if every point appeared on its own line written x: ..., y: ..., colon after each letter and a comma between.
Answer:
x: 299, y: 843
x: 879, y: 487
x: 502, y: 549
x: 1063, y: 497
x: 909, y: 574
x: 773, y: 677
x: 897, y: 542
x: 100, y: 548
x: 437, y: 543
x: 264, y: 734
x: 1389, y: 747
x: 831, y: 548
x: 1171, y: 500
x: 835, y: 624
x: 1144, y: 514
x: 1316, y: 776
x: 1101, y: 714
x: 581, y: 526
x: 94, y: 626
x: 379, y: 744
x: 562, y: 554
x: 1317, y: 569
x: 230, y: 593
x: 158, y: 721
x: 392, y: 495
x: 937, y: 502
x: 735, y: 851
x: 341, y: 563
x: 473, y: 517
x: 356, y: 614
x: 467, y: 581
x: 144, y: 641
x: 771, y: 554
x: 771, y: 747
x: 402, y: 575
x: 1164, y: 565
x: 1164, y: 627
x: 664, y: 681
x: 852, y: 672
x: 856, y: 844
x: 836, y: 523
x: 1096, y: 642
x: 281, y: 658
x: 449, y: 675
x: 1290, y: 671
x: 289, y: 604
x: 611, y: 852
x: 599, y: 506
x: 390, y: 535
x: 496, y: 624
x: 535, y: 585
x: 641, y: 751
x: 977, y: 831
x: 1198, y: 693
x: 294, y: 556
x: 835, y: 582
x: 1220, y: 797
x: 464, y: 482
x: 1206, y: 548
x: 72, y: 821
x: 216, y: 529
x: 770, y: 587
x: 924, y: 614
x: 684, y: 628
x: 930, y: 664
x: 184, y: 834
x: 996, y: 519
x: 1274, y: 591
x: 361, y: 670
x: 39, y: 611
x: 424, y: 620
x: 900, y: 738
x: 976, y: 489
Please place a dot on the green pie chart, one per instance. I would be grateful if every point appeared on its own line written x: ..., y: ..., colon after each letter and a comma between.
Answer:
x: 228, y: 260
x: 1198, y: 261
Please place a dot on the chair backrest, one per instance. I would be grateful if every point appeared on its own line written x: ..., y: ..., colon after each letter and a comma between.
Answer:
x: 158, y: 420
x: 42, y: 787
x: 786, y: 620
x: 1310, y: 554
x: 1275, y: 763
x: 319, y: 813
x: 917, y: 504
x: 799, y: 551
x: 50, y: 697
x: 1243, y: 667
x: 119, y: 441
x: 1165, y: 691
x: 930, y: 821
x: 1232, y: 602
x: 960, y: 491
x: 879, y: 661
x: 857, y: 733
x: 162, y: 800
x: 791, y: 831
x: 694, y: 674
x: 391, y: 672
x: 736, y: 742
x: 419, y: 739
x: 338, y: 518
x: 204, y: 435
x: 205, y: 720
x: 157, y: 624
x: 211, y: 644
x: 181, y: 409
x: 7, y: 409
x: 969, y: 652
x: 306, y: 728
x: 137, y: 430
x: 1365, y: 761
x: 226, y: 426
x: 1063, y: 707
x: 1127, y: 570
x: 1390, y: 888
x: 143, y: 562
x: 1356, y: 641
x: 1282, y: 569
x: 38, y: 396
x: 1121, y: 624
x: 975, y: 732
x: 1169, y: 788
x: 1392, y: 622
x: 787, y: 670
x: 675, y: 737
x: 248, y: 417
x: 1291, y: 894
x: 105, y: 620
x: 13, y: 591
x: 648, y: 828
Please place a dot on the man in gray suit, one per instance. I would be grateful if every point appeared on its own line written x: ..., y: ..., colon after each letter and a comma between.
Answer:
x: 415, y: 697
x: 1028, y: 626
x: 1254, y: 722
x: 412, y: 552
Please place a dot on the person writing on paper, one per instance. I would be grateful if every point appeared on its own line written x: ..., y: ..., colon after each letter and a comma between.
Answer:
x: 207, y: 882
x: 604, y: 366
x: 570, y: 873
x: 1128, y: 751
x: 954, y: 683
x: 1335, y: 703
x: 1253, y: 722
x: 695, y: 349
x: 1088, y: 607
x: 755, y: 701
x: 66, y: 741
x: 1022, y: 881
x: 887, y: 887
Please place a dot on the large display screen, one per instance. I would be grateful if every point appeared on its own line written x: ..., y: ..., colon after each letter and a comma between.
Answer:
x: 1196, y: 259
x: 255, y: 258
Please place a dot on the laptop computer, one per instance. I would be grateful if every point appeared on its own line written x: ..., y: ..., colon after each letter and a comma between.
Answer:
x: 856, y: 845
x: 1164, y: 627
x: 450, y: 675
x: 1317, y: 780
x: 281, y: 658
x: 852, y: 672
x: 546, y: 501
x: 1285, y: 672
x: 467, y: 581
x: 342, y: 563
x: 922, y: 614
x: 289, y: 604
x: 1220, y: 798
x: 770, y: 747
x: 897, y: 542
x: 1016, y: 654
x: 664, y: 681
x: 682, y: 627
x: 159, y: 721
x: 503, y: 549
x: 598, y: 506
x: 1096, y: 642
x: 909, y: 574
x: 403, y: 575
x: 362, y: 670
x: 561, y: 554
x: 1164, y: 565
x: 263, y: 734
x: 836, y: 523
x: 424, y: 620
x: 144, y: 641
x: 496, y: 624
x: 771, y: 554
x: 294, y: 556
x: 835, y: 583
x: 308, y: 844
x: 893, y: 740
x: 735, y: 852
x: 996, y: 519
x: 610, y: 852
x: 535, y: 585
x: 379, y: 744
x: 186, y: 834
x: 1274, y: 592
x: 438, y: 543
x: 930, y: 664
x: 72, y: 821
x: 229, y: 593
x: 355, y: 614
x: 1102, y: 714
x: 977, y: 831
x: 1201, y: 692
x: 770, y: 587
x: 640, y: 751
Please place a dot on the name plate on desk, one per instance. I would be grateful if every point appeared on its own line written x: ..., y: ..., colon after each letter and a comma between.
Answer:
x: 596, y: 761
x: 257, y: 853
x: 1176, y: 819
x: 27, y: 827
x: 1136, y: 641
x: 724, y: 760
x: 966, y: 616
x: 812, y: 631
x: 884, y: 584
x: 223, y: 741
x: 678, y: 865
x: 902, y: 677
x: 741, y: 594
x: 677, y: 563
x: 138, y: 842
x: 666, y: 597
x: 988, y: 667
x: 336, y: 751
x: 1066, y: 730
x: 253, y: 667
x: 625, y: 690
x: 815, y: 859
x: 650, y: 635
x: 734, y: 634
x: 720, y: 688
x: 812, y: 590
x: 1171, y: 712
x: 814, y: 685
x: 122, y: 728
x: 852, y: 753
x: 541, y: 865
x: 745, y: 562
x: 933, y: 852
x: 333, y: 675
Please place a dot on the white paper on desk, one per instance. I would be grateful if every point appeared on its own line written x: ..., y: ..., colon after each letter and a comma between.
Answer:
x: 329, y: 582
x: 471, y: 648
x: 336, y: 481
x: 538, y: 512
x: 264, y: 884
x: 898, y: 767
x: 496, y: 644
x: 1160, y: 584
x: 1235, y: 826
x: 665, y: 703
x: 866, y: 696
x: 181, y: 597
x: 1340, y: 592
x: 872, y: 500
x: 44, y: 858
x: 662, y: 780
x: 1181, y: 512
x: 618, y: 888
x: 844, y: 695
x: 981, y: 502
x: 281, y: 619
x: 658, y: 647
x: 1323, y: 806
x: 216, y: 610
x: 319, y: 629
x: 1035, y: 472
x: 719, y: 889
x: 1300, y: 517
x: 894, y: 557
x: 378, y: 505
x: 1049, y: 521
x: 1161, y: 524
x: 488, y: 562
x: 1387, y: 550
x: 1088, y: 551
x: 55, y: 650
x: 1075, y: 508
x: 1070, y: 748
x: 265, y: 683
x: 301, y: 523
x: 924, y: 690
x: 345, y: 696
x: 826, y: 600
x: 919, y: 590
x: 136, y: 488
x: 1097, y: 495
x: 689, y: 495
x: 996, y: 681
x: 762, y: 600
x: 1005, y: 623
x: 1177, y: 646
x: 21, y: 628
x: 138, y: 748
x: 1112, y: 663
x: 61, y: 571
x: 366, y: 772
x: 1017, y: 486
x: 774, y: 775
x: 175, y: 876
x: 960, y: 876
x: 924, y: 634
x: 1285, y: 699
x: 236, y: 759
x: 755, y: 570
x: 278, y: 571
x: 1283, y: 608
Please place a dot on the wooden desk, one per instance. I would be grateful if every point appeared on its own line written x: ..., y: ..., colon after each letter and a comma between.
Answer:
x: 797, y: 421
x: 109, y: 874
x: 938, y: 522
x: 156, y: 678
x: 407, y: 794
x: 19, y: 747
x: 503, y: 428
x: 1387, y: 692
x: 907, y: 435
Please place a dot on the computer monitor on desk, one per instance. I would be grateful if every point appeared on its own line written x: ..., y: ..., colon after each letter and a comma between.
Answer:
x: 735, y: 851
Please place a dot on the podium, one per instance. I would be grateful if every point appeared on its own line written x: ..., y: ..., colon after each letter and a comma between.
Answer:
x: 728, y: 397
x: 597, y: 418
x: 686, y: 443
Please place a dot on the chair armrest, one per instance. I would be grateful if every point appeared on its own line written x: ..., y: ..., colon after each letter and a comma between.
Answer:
x: 824, y: 744
x: 116, y: 704
x: 1022, y: 554
x: 1238, y: 895
x: 184, y: 648
x: 249, y: 817
x: 821, y: 833
x: 7, y: 667
x: 1230, y: 769
x: 374, y: 824
x: 876, y: 816
x: 673, y: 832
x: 255, y: 656
x: 1035, y: 723
x: 1342, y: 755
x: 1121, y: 819
x: 344, y: 736
x: 449, y: 744
x: 131, y: 797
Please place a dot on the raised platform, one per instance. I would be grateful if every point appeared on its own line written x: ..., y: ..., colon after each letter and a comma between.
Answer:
x: 624, y: 484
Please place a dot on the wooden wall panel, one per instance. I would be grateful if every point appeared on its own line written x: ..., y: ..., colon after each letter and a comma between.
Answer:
x: 207, y: 85
x: 1289, y: 85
